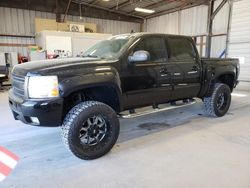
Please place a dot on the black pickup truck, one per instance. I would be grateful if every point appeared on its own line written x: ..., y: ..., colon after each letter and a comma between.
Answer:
x: 85, y: 95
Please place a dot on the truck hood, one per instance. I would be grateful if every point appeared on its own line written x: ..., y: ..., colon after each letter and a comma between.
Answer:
x: 54, y: 65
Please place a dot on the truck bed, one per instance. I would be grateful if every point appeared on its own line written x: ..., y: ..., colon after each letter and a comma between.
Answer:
x: 220, y: 60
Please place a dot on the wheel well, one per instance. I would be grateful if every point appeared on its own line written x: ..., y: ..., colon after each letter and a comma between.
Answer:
x: 227, y: 79
x: 105, y: 94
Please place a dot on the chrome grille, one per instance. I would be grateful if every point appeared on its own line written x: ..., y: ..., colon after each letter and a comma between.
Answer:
x: 18, y: 85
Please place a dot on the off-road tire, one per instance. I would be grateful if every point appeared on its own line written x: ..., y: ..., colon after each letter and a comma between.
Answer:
x: 73, y: 122
x: 210, y: 103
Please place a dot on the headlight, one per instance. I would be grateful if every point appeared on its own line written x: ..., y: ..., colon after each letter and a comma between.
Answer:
x: 43, y: 87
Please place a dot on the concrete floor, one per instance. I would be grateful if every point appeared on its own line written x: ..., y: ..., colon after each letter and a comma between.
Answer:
x: 176, y: 148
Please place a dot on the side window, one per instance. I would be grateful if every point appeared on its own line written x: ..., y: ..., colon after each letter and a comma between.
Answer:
x: 156, y: 47
x: 181, y: 49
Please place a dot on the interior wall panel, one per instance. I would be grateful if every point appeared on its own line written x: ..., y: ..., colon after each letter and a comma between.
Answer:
x: 193, y: 22
x: 164, y: 24
x: 239, y: 40
x: 218, y: 46
x: 21, y: 22
x: 220, y: 22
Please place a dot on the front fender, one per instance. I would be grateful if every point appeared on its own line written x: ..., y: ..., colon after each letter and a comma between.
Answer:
x: 79, y: 82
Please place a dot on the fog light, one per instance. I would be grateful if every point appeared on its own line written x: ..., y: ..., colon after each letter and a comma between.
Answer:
x: 35, y: 120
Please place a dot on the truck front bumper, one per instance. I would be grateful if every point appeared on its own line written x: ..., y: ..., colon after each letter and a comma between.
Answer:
x: 37, y: 112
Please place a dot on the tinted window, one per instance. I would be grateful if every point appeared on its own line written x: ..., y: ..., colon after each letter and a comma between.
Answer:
x: 155, y: 46
x: 181, y: 49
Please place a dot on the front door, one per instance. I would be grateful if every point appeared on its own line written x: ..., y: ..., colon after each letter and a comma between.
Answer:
x: 149, y: 82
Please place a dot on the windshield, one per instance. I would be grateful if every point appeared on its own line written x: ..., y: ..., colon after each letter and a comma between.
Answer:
x: 108, y: 49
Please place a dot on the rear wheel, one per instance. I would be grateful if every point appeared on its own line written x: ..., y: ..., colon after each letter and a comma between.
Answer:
x: 219, y: 102
x: 90, y: 130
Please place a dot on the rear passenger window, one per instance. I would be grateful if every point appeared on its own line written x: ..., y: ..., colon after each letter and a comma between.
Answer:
x: 181, y: 49
x: 155, y: 46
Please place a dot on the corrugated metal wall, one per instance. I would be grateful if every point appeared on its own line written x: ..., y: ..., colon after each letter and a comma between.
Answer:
x: 190, y: 22
x: 239, y: 41
x: 193, y: 22
x: 168, y: 23
x: 186, y: 22
x: 21, y: 22
x: 108, y: 26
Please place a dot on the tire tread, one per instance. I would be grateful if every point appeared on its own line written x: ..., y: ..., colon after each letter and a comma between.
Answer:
x: 209, y: 102
x: 70, y: 119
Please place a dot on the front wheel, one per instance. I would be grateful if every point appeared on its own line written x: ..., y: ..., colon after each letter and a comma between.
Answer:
x: 219, y: 102
x: 90, y: 130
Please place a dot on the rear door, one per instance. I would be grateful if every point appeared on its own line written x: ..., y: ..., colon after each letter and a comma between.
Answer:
x: 186, y: 72
x: 147, y: 82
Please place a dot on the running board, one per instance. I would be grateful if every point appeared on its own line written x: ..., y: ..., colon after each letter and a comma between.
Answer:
x: 155, y: 110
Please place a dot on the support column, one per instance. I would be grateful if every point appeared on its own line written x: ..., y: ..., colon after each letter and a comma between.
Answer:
x: 209, y: 28
x: 229, y: 25
x: 211, y: 15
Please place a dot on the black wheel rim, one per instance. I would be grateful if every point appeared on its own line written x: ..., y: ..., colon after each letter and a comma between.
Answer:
x: 222, y: 101
x: 93, y: 130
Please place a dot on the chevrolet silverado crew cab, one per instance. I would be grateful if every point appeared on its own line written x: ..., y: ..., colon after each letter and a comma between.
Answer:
x: 85, y: 95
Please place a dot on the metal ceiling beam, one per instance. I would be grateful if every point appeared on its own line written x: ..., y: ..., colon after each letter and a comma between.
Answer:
x: 50, y: 6
x: 163, y: 2
x: 124, y: 4
x: 186, y: 6
x: 221, y: 5
x: 67, y: 10
x: 107, y: 9
x: 58, y: 15
x: 95, y: 2
x: 158, y: 4
x: 117, y: 6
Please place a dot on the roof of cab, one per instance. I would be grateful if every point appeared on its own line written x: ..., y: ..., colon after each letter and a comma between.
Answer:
x: 139, y: 34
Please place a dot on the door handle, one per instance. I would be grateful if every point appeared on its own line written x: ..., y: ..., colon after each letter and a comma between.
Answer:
x: 192, y: 72
x: 164, y: 72
x: 195, y: 68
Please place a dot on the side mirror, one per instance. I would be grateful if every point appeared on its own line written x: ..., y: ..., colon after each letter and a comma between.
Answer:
x: 139, y: 56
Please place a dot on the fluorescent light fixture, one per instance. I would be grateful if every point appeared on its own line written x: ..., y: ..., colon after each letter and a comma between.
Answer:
x: 148, y: 11
x: 106, y: 0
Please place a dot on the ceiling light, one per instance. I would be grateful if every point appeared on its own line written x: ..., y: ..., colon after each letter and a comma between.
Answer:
x: 105, y: 0
x: 148, y: 11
